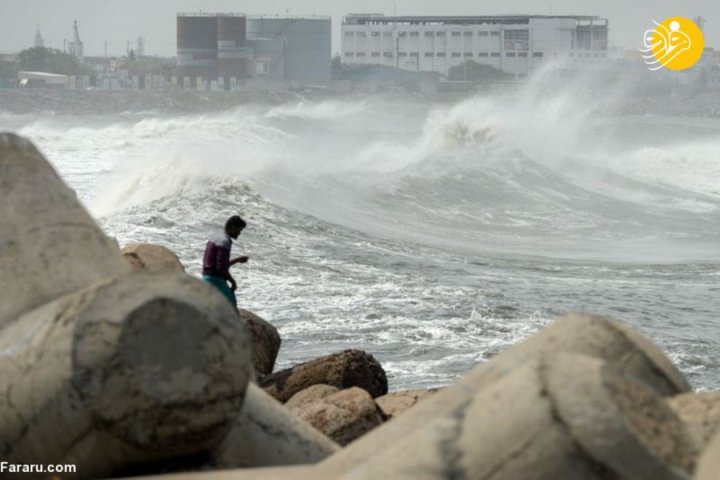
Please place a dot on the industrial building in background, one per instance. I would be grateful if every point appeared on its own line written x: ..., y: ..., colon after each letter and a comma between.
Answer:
x: 515, y: 45
x: 306, y: 46
x: 225, y: 49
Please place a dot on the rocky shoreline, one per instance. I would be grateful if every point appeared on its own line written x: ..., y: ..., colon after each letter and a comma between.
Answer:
x: 98, y: 102
x: 664, y: 101
x: 123, y: 365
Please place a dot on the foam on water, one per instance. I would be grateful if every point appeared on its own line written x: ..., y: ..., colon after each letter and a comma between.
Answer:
x: 433, y: 236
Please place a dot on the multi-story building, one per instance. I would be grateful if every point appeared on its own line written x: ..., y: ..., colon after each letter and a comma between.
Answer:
x: 514, y: 44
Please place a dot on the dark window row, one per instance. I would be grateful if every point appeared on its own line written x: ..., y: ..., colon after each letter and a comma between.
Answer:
x: 427, y: 34
x: 455, y: 54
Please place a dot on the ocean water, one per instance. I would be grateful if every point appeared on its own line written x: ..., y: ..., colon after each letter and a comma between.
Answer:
x: 432, y: 235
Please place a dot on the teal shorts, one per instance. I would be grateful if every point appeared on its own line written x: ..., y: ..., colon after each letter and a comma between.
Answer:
x: 222, y: 285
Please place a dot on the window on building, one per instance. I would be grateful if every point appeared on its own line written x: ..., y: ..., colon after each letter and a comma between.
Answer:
x: 441, y: 54
x: 429, y: 54
x: 510, y: 54
x: 467, y: 34
x: 483, y: 54
x: 402, y: 34
x: 375, y: 34
x: 495, y: 54
x: 362, y: 34
x: 440, y: 34
x: 538, y: 54
x: 522, y: 54
x: 402, y: 54
x: 429, y: 34
x: 387, y: 54
x: 517, y: 39
x: 349, y: 34
x: 482, y: 34
x: 414, y: 54
x: 361, y: 54
x: 455, y: 34
x: 375, y: 54
x: 467, y: 54
x: 349, y: 54
x: 414, y: 34
x: 387, y: 34
x: 456, y: 54
x: 494, y: 34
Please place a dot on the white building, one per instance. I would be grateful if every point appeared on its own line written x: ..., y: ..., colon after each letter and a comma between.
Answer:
x: 513, y: 44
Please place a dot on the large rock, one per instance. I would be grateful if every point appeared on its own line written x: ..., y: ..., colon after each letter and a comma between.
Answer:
x: 700, y: 411
x: 709, y: 463
x: 351, y: 368
x: 310, y: 395
x: 298, y: 472
x: 49, y: 245
x: 265, y: 340
x: 266, y: 434
x: 102, y: 368
x: 139, y: 369
x: 564, y: 417
x: 575, y: 333
x: 153, y: 258
x: 343, y: 416
x: 395, y: 403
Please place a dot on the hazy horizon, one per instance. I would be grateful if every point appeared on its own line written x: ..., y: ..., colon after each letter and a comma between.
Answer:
x: 117, y: 23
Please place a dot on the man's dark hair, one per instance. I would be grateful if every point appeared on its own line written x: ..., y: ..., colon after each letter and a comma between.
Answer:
x: 235, y: 221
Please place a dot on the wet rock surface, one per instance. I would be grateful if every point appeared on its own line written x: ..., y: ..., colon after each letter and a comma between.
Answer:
x: 351, y: 368
x: 266, y: 342
x: 152, y: 258
x: 343, y: 416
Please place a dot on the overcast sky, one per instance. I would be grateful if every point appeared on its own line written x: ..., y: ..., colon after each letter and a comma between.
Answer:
x: 117, y: 21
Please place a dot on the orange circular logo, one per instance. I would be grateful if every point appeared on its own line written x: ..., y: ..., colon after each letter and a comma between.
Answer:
x: 676, y: 43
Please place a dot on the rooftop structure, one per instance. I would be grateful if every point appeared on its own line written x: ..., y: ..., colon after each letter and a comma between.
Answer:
x: 39, y: 40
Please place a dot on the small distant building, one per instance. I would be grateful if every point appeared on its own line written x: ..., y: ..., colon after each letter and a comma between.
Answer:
x: 514, y: 44
x: 42, y: 80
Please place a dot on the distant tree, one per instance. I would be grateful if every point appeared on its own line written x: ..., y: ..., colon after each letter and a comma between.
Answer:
x: 8, y: 73
x: 472, y: 71
x: 42, y: 59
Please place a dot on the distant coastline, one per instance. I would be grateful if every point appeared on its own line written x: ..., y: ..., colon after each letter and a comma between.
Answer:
x: 681, y: 101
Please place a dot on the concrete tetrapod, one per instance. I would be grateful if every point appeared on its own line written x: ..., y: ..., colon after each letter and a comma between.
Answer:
x: 591, y: 335
x: 140, y: 368
x: 700, y: 411
x: 49, y: 245
x: 709, y: 463
x: 561, y: 417
x: 266, y: 434
x: 302, y: 472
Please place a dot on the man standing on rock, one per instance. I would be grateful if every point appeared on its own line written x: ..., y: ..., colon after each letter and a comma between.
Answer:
x: 216, y: 261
